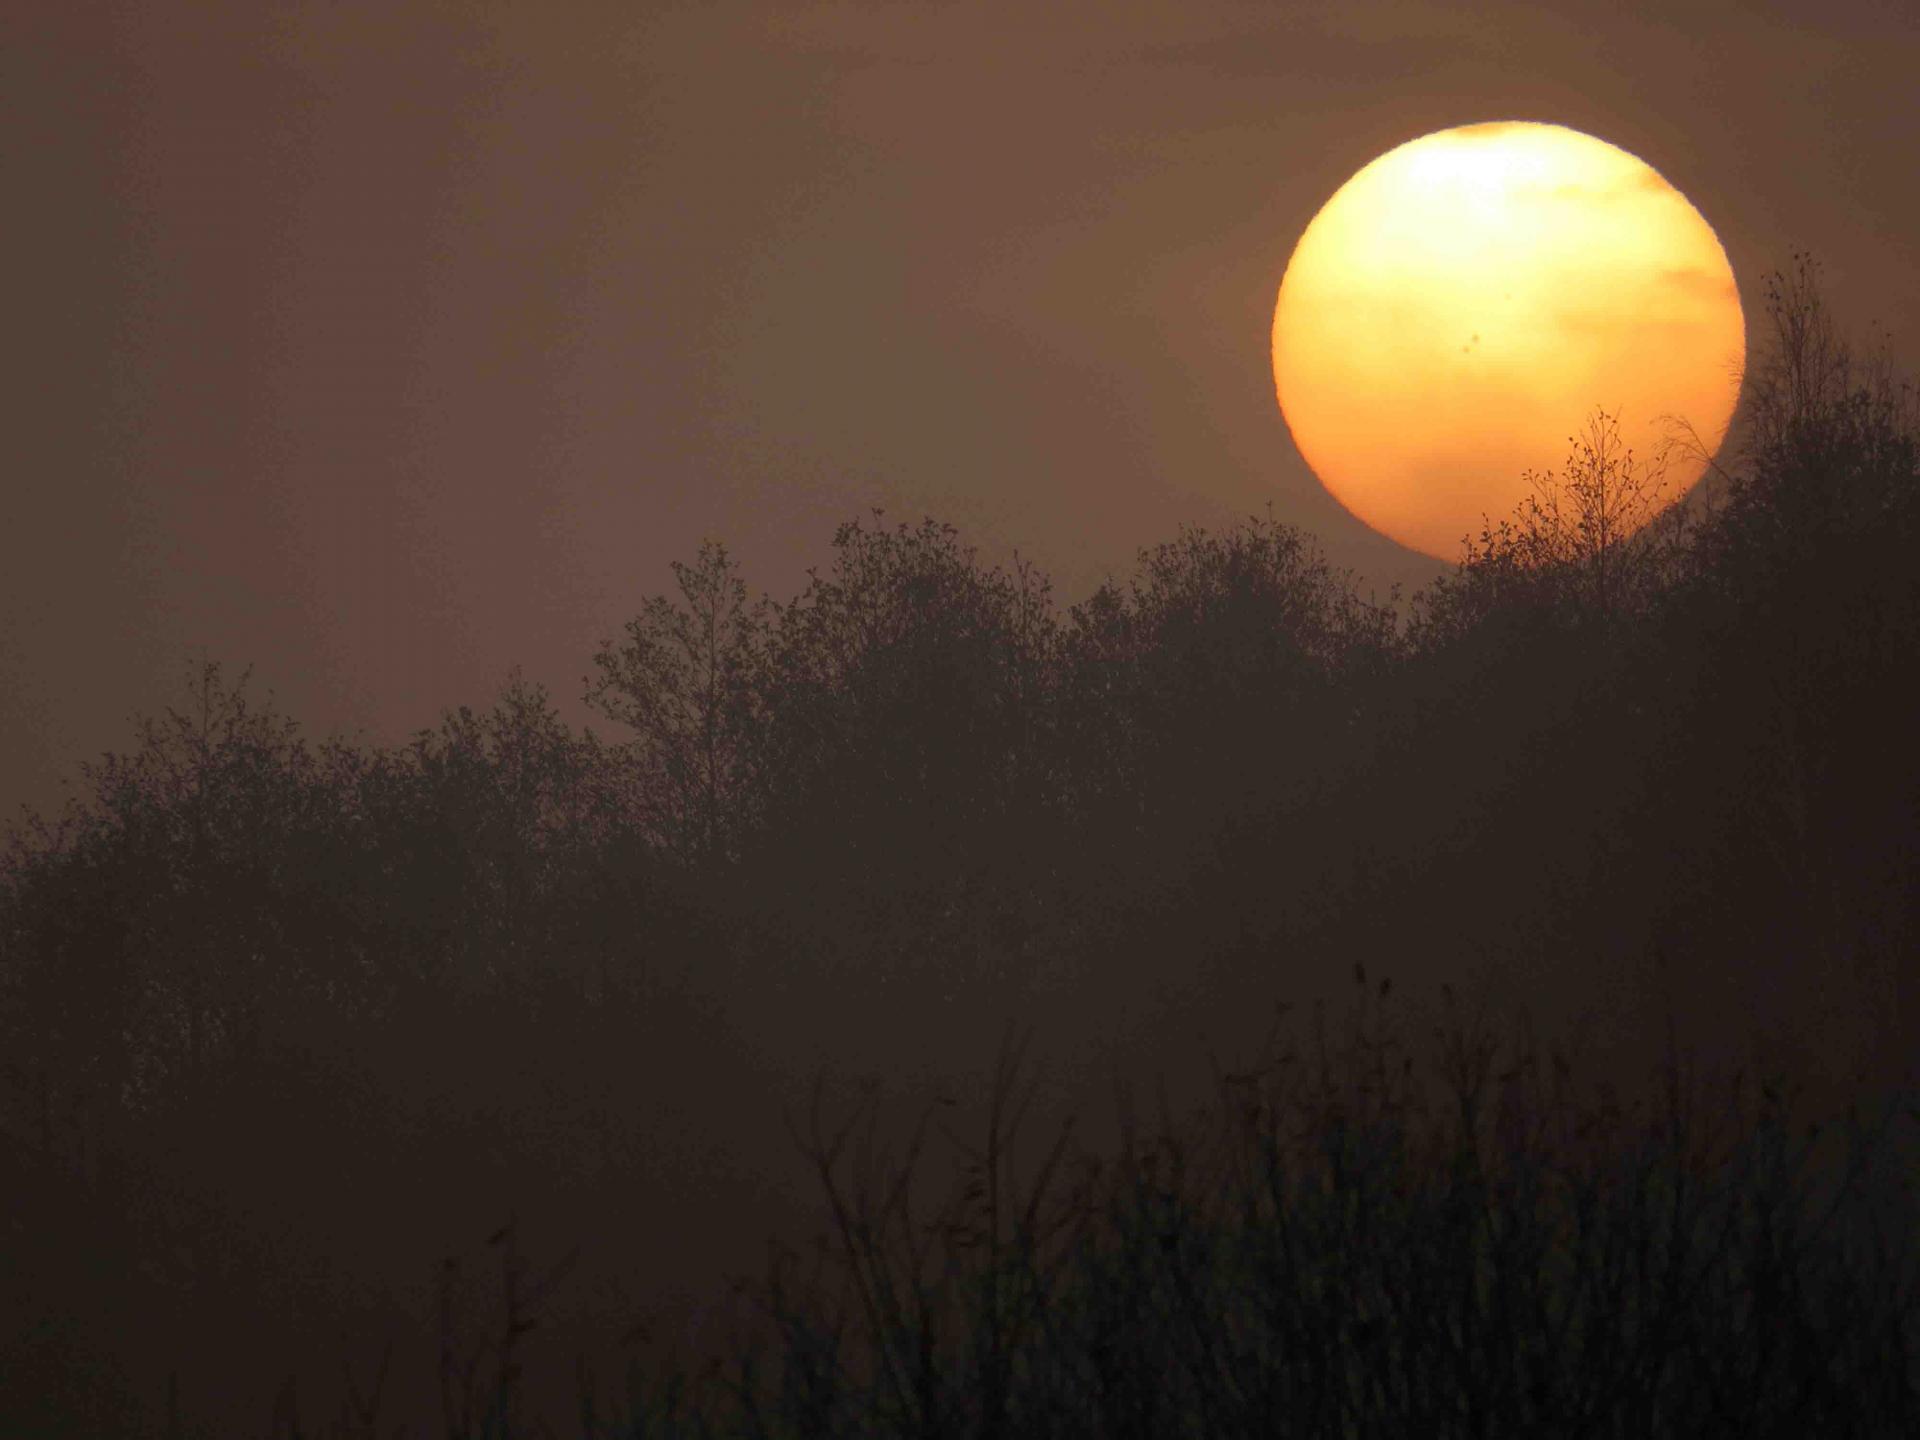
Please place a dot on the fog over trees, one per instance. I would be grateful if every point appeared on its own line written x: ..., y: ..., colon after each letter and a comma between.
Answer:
x: 284, y: 1022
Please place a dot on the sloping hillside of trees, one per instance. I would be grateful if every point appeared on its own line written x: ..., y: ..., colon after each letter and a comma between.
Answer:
x: 278, y: 1015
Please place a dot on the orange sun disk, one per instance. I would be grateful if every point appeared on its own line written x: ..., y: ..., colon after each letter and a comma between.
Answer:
x: 1464, y: 303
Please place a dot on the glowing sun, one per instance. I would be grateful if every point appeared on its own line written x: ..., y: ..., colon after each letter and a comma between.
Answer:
x: 1463, y: 304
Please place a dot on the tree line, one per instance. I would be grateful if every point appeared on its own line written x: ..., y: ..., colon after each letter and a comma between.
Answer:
x: 1636, y: 757
x: 1642, y: 736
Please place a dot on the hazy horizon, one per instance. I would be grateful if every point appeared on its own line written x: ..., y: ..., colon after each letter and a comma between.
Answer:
x: 385, y: 349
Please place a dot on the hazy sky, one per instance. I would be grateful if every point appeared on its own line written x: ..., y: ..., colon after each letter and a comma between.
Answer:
x: 386, y: 345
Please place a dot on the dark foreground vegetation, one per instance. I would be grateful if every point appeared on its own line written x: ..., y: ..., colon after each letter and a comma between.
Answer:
x: 280, y: 1022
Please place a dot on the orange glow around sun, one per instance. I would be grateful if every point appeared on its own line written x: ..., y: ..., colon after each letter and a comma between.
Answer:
x: 1463, y: 304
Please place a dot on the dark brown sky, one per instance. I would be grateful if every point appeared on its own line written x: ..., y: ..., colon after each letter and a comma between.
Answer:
x: 386, y: 345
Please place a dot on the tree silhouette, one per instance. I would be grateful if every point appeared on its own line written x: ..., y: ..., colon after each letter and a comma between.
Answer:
x: 909, y: 797
x: 1232, y: 675
x: 687, y: 679
x: 1793, y: 628
x: 179, y: 914
x: 1590, y: 547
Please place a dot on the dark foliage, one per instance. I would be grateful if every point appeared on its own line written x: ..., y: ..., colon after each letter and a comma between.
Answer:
x: 275, y: 1016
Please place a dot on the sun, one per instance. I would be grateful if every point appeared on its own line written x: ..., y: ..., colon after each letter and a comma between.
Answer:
x: 1465, y: 302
